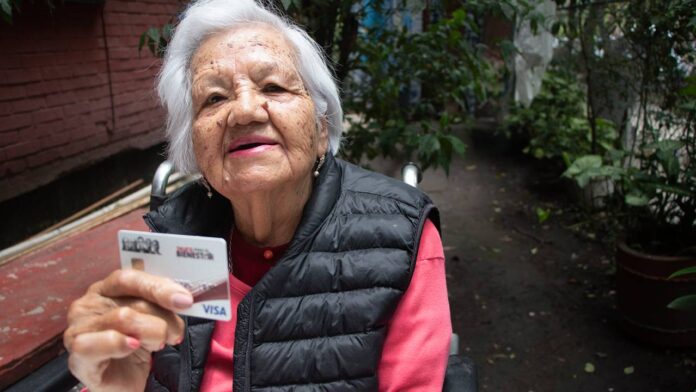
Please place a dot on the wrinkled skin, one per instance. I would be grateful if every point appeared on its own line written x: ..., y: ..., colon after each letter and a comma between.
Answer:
x: 245, y: 85
x: 114, y: 328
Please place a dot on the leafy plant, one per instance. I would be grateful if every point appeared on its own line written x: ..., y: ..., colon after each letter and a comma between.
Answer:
x: 685, y: 302
x: 156, y: 39
x: 655, y: 169
x: 556, y: 125
x: 447, y: 67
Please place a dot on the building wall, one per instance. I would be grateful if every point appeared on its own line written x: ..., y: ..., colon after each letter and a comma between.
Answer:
x: 74, y: 89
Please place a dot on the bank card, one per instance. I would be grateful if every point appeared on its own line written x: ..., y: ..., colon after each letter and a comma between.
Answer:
x: 197, y: 263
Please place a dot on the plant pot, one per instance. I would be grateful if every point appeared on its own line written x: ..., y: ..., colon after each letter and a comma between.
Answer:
x: 643, y: 292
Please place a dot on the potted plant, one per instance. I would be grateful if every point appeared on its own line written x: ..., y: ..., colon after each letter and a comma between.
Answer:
x: 654, y: 173
x: 655, y: 199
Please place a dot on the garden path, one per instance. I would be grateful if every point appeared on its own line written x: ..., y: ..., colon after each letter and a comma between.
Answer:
x: 533, y: 303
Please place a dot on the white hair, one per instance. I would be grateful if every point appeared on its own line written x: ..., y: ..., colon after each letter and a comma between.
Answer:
x: 206, y: 17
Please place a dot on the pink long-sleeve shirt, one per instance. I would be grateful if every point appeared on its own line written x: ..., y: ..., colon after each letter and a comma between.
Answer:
x: 416, y: 348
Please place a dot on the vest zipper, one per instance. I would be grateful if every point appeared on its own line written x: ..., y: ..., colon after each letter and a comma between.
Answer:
x: 247, y: 354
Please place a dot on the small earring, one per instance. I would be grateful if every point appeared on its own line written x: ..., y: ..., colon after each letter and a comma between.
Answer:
x: 320, y: 163
x: 207, y: 186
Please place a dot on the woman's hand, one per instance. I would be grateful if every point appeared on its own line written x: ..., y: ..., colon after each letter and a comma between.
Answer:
x: 118, y: 323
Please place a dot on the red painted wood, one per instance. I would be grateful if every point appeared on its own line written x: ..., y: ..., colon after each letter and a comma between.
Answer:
x: 36, y: 290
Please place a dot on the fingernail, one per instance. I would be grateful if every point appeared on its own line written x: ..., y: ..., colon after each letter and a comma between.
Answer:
x: 182, y: 301
x: 179, y: 340
x: 132, y: 342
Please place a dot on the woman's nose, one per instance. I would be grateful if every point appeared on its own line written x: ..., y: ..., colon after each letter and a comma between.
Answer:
x: 248, y: 107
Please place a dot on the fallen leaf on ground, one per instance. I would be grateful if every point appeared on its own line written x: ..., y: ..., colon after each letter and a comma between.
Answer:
x: 629, y: 370
x: 534, y: 251
x: 589, y: 367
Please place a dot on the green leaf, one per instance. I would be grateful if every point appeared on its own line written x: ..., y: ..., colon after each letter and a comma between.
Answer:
x: 556, y: 28
x: 167, y: 31
x: 141, y: 43
x: 675, y: 189
x: 542, y: 214
x: 616, y: 155
x: 683, y: 271
x: 507, y: 11
x: 686, y: 302
x: 153, y: 34
x: 584, y: 169
x: 588, y: 162
x: 665, y: 145
x: 458, y: 145
x: 669, y: 162
x: 589, y: 367
x: 6, y: 7
x: 636, y: 200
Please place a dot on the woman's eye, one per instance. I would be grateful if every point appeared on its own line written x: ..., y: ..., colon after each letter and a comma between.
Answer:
x: 213, y: 99
x: 273, y: 88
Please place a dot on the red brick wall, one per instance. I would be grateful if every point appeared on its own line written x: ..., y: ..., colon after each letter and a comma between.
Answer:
x: 74, y: 89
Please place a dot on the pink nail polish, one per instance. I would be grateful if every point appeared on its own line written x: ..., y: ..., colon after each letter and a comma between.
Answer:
x: 132, y: 342
x: 182, y: 301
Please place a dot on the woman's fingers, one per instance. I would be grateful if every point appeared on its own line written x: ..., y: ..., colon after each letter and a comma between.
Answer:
x: 114, y: 327
x: 166, y: 321
x: 149, y: 331
x: 155, y: 289
x: 96, y: 347
x: 93, y: 352
x: 151, y: 325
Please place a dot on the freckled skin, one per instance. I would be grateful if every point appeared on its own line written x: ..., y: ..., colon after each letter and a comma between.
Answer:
x: 245, y: 82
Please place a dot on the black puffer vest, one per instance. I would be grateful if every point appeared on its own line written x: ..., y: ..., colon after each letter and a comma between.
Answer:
x: 317, y: 320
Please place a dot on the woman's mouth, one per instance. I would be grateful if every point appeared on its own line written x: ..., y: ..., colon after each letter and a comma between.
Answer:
x: 250, y: 145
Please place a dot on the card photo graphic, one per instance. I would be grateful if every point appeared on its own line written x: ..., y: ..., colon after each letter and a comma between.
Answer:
x: 138, y: 264
x: 205, y: 290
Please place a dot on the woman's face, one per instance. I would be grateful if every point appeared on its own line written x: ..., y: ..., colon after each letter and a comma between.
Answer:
x: 254, y: 126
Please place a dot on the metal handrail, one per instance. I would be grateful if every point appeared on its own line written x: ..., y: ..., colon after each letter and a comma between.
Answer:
x: 161, y: 178
x: 158, y: 193
x: 411, y: 174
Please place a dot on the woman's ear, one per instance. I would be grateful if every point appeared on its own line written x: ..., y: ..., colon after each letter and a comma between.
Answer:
x: 322, y: 136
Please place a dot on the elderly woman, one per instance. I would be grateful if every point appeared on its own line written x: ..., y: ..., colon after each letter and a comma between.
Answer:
x: 336, y: 273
